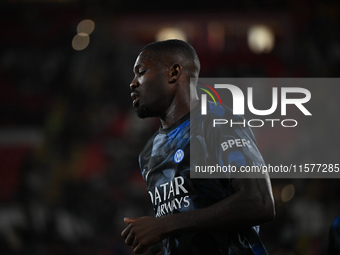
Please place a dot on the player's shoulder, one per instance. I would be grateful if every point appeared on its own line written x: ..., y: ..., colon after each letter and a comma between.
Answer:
x: 149, y: 144
x: 222, y: 111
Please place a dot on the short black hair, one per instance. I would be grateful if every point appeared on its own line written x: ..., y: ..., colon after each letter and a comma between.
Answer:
x: 174, y: 46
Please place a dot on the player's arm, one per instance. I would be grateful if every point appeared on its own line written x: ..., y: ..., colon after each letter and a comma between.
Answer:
x: 251, y: 204
x: 143, y: 233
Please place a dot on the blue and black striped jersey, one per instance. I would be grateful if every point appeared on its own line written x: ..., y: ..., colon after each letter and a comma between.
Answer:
x: 165, y: 164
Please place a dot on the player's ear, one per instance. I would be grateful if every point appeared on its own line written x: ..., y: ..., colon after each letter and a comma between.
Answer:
x: 175, y: 72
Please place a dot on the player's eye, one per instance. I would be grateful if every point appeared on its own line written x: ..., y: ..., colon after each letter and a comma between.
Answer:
x: 141, y: 72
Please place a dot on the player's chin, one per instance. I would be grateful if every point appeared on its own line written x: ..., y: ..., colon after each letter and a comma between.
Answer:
x: 143, y: 112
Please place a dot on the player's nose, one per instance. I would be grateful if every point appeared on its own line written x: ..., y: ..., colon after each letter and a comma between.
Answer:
x: 133, y: 84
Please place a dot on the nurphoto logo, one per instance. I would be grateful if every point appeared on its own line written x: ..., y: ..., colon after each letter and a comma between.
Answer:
x: 238, y: 106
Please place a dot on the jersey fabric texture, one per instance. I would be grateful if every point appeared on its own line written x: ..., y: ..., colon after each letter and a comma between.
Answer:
x: 165, y: 166
x: 334, y: 237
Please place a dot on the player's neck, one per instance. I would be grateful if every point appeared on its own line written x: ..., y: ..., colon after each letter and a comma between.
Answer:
x: 176, y: 112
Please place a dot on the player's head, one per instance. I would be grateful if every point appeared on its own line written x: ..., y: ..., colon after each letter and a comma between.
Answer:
x: 162, y: 75
x: 175, y: 48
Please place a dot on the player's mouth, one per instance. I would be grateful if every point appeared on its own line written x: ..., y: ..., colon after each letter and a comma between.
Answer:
x: 135, y: 98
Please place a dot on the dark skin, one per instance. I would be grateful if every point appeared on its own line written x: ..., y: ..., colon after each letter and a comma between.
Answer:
x: 161, y: 85
x: 164, y: 89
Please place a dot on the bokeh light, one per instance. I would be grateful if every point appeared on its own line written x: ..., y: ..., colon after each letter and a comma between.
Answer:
x: 80, y: 41
x: 86, y: 26
x: 260, y: 39
x: 288, y: 193
x: 171, y: 33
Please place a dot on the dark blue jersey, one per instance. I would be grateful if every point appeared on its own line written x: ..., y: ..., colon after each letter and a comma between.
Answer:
x: 165, y: 164
x: 334, y: 237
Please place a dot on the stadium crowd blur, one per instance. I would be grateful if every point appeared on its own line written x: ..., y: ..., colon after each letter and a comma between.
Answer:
x: 69, y: 138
